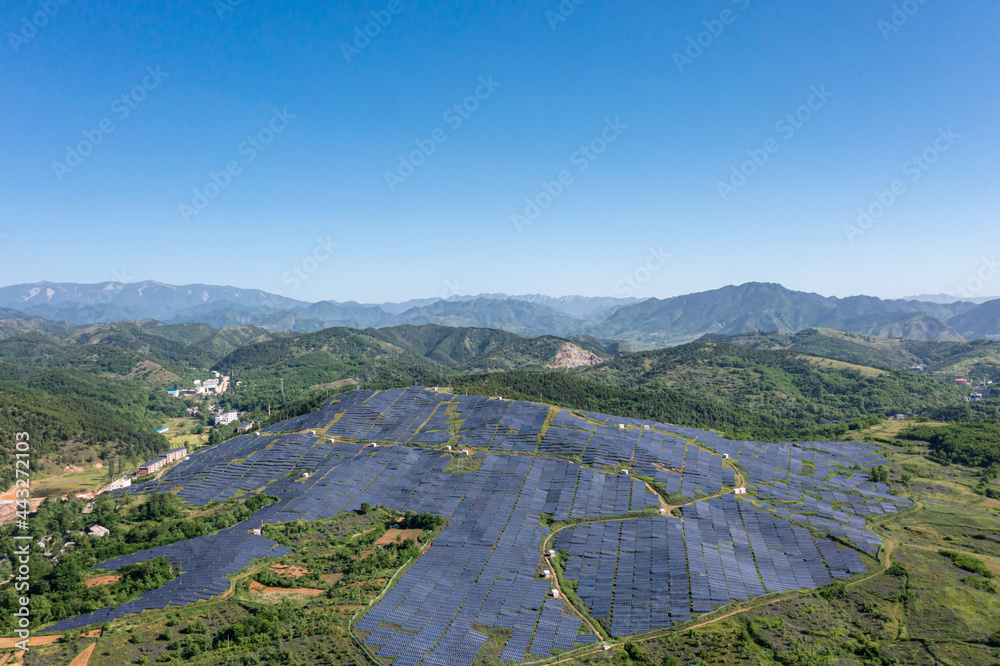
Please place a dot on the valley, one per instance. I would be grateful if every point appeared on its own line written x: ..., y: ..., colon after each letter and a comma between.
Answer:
x: 330, y: 417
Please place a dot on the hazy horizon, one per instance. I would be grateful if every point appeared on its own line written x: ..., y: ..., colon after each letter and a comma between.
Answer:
x: 563, y: 147
x: 466, y: 296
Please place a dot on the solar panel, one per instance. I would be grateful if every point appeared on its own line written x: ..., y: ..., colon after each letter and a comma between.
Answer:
x: 641, y: 573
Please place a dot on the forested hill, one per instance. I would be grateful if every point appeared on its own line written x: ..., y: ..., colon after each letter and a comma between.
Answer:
x: 948, y: 359
x: 102, y: 387
x: 784, y: 383
x: 71, y: 416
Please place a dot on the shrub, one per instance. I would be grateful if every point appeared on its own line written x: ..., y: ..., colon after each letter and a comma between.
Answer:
x: 967, y: 562
x: 980, y: 584
x: 897, y: 570
x: 833, y: 591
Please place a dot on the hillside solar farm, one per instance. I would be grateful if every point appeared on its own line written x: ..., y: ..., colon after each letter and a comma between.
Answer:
x: 646, y: 528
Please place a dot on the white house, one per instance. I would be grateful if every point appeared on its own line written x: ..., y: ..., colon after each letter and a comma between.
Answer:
x: 227, y: 417
x: 98, y: 530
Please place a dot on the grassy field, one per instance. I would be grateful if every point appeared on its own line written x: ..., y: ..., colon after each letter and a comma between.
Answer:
x: 68, y: 483
x: 182, y: 433
x: 863, y: 370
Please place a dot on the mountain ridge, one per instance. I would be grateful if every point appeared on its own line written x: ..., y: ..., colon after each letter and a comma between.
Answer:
x: 729, y: 310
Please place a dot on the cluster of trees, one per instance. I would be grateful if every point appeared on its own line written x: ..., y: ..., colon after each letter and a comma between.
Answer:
x: 259, y: 627
x: 388, y: 557
x: 879, y: 474
x: 57, y: 587
x: 666, y: 405
x: 57, y: 405
x: 316, y: 359
x: 983, y: 411
x: 783, y: 384
x: 975, y: 444
x: 421, y: 521
x: 968, y: 562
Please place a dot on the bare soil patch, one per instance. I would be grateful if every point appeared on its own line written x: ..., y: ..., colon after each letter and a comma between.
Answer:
x: 257, y: 588
x: 348, y: 610
x: 381, y: 581
x: 289, y: 570
x: 8, y: 508
x: 102, y: 580
x: 571, y: 356
x: 37, y: 641
x: 83, y: 658
x: 398, y: 536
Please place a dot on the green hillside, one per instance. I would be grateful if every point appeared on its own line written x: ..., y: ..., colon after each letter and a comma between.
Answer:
x: 107, y: 357
x: 973, y: 359
x: 782, y: 383
x: 472, y: 348
x: 514, y: 316
x: 815, y: 383
x: 68, y: 424
x: 308, y: 362
x: 757, y: 306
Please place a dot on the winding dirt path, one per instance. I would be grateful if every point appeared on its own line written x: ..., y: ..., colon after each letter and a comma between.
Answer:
x: 83, y: 658
x: 565, y: 599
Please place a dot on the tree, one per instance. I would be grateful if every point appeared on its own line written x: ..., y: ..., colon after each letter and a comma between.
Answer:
x: 879, y: 474
x: 365, y: 508
x: 637, y: 654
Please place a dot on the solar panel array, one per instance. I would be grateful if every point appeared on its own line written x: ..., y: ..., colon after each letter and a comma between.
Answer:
x: 641, y: 573
x: 834, y: 497
x: 649, y: 573
x: 205, y: 563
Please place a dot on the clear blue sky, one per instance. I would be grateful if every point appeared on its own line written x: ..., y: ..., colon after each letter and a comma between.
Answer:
x: 680, y: 120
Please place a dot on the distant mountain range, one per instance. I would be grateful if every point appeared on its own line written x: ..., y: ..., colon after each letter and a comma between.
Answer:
x: 731, y: 310
x: 948, y: 298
